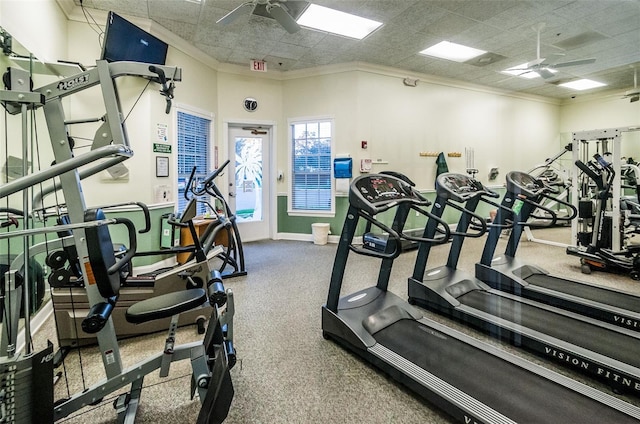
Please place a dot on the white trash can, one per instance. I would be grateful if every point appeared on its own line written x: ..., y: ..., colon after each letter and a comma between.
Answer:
x: 320, y: 233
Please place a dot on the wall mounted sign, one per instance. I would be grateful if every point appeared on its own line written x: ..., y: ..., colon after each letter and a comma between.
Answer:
x: 161, y: 148
x: 162, y: 166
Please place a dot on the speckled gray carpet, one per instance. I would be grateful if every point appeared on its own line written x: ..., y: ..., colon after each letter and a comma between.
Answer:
x: 287, y: 372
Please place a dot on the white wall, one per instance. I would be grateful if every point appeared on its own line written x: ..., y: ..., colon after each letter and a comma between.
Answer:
x: 400, y: 122
x: 39, y: 25
x: 602, y: 113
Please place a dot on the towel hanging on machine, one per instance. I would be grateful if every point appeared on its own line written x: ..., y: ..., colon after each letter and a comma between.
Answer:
x: 441, y: 165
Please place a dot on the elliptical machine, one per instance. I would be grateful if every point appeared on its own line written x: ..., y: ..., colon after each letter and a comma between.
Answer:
x: 232, y: 256
x: 593, y: 249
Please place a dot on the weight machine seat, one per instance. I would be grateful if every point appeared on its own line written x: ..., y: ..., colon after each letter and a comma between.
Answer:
x: 101, y: 256
x: 165, y: 306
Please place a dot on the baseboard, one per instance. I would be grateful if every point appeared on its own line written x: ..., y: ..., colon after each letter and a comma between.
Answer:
x: 309, y: 237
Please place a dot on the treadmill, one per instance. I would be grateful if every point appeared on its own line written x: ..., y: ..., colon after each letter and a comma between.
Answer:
x: 470, y: 380
x: 600, y: 350
x: 506, y: 272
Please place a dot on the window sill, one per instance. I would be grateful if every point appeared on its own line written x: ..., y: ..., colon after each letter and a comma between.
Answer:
x: 324, y: 214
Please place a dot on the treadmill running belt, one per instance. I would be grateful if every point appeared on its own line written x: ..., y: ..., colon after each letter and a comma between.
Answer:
x: 596, y: 294
x: 511, y: 390
x: 595, y: 338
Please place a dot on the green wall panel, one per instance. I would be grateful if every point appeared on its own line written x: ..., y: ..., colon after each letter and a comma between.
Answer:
x: 302, y: 224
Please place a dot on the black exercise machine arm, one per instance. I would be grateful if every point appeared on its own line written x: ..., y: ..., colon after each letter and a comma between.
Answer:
x: 131, y: 251
x: 145, y: 211
x: 207, y: 181
x: 167, y: 90
x: 597, y: 178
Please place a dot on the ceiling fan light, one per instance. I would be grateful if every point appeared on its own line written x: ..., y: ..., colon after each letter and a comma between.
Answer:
x: 582, y: 84
x: 337, y: 22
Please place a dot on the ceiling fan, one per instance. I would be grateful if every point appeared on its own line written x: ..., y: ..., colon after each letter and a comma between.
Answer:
x: 633, y: 95
x: 276, y: 9
x: 541, y: 66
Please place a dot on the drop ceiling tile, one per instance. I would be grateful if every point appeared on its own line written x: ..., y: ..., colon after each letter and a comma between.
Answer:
x: 288, y: 51
x: 179, y: 11
x: 184, y: 30
x: 583, y: 8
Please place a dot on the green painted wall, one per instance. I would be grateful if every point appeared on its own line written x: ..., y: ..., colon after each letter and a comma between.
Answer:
x: 302, y: 224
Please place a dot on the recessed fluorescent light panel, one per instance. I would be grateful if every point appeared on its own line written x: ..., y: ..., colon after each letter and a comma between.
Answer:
x: 336, y: 22
x: 582, y: 84
x: 521, y: 71
x: 452, y: 51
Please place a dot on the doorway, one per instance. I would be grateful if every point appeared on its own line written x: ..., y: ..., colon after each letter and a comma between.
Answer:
x: 249, y: 186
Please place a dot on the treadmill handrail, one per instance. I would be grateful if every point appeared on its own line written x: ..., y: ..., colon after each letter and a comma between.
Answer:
x: 429, y: 215
x: 554, y: 214
x: 510, y: 211
x: 570, y: 217
x: 481, y: 221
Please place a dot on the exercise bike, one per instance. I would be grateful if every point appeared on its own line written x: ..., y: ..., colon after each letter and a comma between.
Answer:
x: 70, y: 299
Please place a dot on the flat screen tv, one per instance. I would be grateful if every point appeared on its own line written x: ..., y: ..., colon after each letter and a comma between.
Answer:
x: 125, y: 41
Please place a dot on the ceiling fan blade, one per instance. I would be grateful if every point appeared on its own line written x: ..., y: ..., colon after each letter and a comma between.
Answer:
x: 282, y: 16
x: 573, y: 63
x: 545, y: 73
x: 538, y: 61
x: 235, y: 13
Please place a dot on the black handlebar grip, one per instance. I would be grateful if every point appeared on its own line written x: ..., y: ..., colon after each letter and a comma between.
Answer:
x: 161, y: 75
x: 97, y: 317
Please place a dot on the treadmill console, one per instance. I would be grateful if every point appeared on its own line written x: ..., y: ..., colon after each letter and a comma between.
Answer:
x: 459, y: 187
x: 377, y: 192
x: 525, y: 184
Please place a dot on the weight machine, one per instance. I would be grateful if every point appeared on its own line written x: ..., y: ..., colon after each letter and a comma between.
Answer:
x: 29, y: 376
x: 600, y: 179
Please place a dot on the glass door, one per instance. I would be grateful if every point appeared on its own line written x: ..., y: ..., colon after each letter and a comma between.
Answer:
x: 248, y: 190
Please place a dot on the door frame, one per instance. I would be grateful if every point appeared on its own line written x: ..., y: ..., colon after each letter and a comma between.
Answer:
x: 272, y: 198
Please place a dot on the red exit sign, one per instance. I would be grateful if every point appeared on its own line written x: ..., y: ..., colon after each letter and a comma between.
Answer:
x: 258, y: 65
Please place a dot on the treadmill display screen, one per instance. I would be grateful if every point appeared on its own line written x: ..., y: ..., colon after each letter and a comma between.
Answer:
x: 378, y: 189
x: 521, y: 183
x: 458, y: 183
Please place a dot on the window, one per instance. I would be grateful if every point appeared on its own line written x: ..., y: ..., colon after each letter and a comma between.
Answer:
x: 311, y: 153
x: 193, y: 141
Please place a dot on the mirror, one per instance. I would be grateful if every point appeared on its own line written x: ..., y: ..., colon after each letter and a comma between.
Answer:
x: 13, y: 148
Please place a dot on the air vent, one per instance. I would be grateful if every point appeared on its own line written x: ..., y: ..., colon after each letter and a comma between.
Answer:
x: 485, y: 59
x: 580, y: 40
